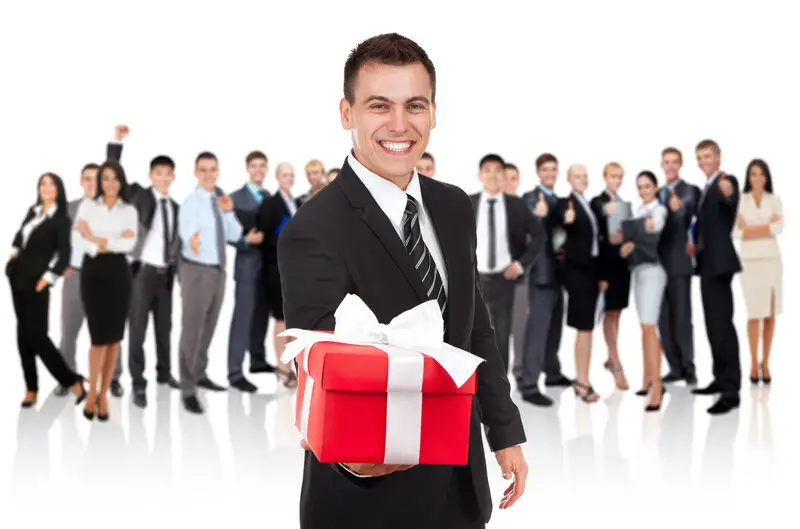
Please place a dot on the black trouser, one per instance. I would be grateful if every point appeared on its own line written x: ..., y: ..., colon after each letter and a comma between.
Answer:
x: 675, y: 326
x: 498, y: 293
x: 32, y: 309
x: 152, y: 292
x: 542, y: 335
x: 718, y: 309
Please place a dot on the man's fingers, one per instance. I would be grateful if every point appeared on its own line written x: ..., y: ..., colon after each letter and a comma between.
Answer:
x: 304, y: 445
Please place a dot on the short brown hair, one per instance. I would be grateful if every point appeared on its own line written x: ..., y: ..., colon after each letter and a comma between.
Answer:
x: 314, y: 164
x: 612, y: 165
x: 391, y: 49
x: 255, y: 155
x: 672, y: 150
x: 205, y: 155
x: 707, y: 144
x: 545, y: 158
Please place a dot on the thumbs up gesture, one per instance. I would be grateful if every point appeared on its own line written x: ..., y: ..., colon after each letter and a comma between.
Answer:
x: 254, y: 236
x: 649, y: 225
x: 541, y: 207
x: 725, y: 186
x: 675, y: 202
x: 611, y: 207
x: 569, y: 216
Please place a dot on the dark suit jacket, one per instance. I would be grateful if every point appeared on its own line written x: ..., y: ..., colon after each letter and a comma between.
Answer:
x: 716, y: 216
x: 272, y: 216
x: 580, y: 235
x: 341, y: 242
x: 674, y: 236
x: 544, y: 269
x: 610, y: 263
x: 49, y: 239
x: 525, y: 236
x: 249, y: 258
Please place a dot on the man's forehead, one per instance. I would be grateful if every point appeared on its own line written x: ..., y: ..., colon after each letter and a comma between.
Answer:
x: 395, y: 83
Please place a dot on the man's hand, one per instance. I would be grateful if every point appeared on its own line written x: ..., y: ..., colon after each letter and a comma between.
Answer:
x: 367, y: 469
x: 194, y: 243
x: 541, y: 209
x: 254, y: 237
x: 626, y: 249
x: 121, y: 132
x: 691, y: 249
x: 225, y: 203
x: 512, y: 271
x: 41, y: 285
x: 675, y: 202
x: 725, y: 186
x: 128, y: 234
x: 512, y: 463
x: 569, y: 216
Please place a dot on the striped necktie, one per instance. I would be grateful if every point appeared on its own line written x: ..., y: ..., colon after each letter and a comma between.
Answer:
x: 421, y: 258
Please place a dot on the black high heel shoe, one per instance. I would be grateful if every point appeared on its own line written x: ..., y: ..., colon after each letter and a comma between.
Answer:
x: 80, y: 398
x: 89, y: 414
x: 26, y: 404
x: 765, y: 380
x: 656, y: 407
x: 103, y: 417
x: 754, y: 380
x: 645, y: 391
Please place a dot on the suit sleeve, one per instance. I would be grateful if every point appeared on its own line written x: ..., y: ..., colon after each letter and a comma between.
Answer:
x: 500, y: 416
x: 16, y: 244
x: 114, y: 151
x: 63, y: 250
x: 536, y: 237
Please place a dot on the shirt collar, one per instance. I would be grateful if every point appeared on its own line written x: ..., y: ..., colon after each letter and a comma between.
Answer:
x: 158, y: 195
x: 545, y: 190
x: 391, y: 199
x: 486, y: 196
x: 674, y: 184
x: 651, y: 207
x: 50, y: 212
x: 99, y: 202
x: 253, y: 189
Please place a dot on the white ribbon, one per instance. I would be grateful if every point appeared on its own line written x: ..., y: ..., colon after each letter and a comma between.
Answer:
x: 418, y: 330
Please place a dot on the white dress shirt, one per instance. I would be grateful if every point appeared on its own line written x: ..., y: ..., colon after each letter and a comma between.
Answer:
x: 392, y: 201
x: 290, y: 203
x: 26, y: 231
x: 655, y: 211
x: 107, y: 223
x: 502, y: 252
x: 153, y: 249
x: 593, y: 220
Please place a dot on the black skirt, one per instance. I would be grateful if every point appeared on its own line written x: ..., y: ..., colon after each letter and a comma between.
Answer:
x: 619, y: 290
x: 106, y: 294
x: 580, y: 282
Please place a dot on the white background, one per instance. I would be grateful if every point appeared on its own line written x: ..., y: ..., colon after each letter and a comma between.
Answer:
x: 592, y: 82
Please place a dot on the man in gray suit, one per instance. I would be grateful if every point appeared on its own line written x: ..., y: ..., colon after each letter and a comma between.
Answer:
x: 545, y: 295
x: 72, y: 313
x: 676, y: 250
x: 250, y: 315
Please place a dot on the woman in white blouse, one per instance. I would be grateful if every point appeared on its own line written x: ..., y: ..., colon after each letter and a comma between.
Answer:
x: 106, y: 231
x: 759, y: 222
x: 649, y: 281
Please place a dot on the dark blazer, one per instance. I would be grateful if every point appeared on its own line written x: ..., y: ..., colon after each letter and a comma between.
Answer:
x: 610, y: 263
x: 249, y: 258
x: 675, y: 235
x: 145, y: 203
x: 716, y: 216
x: 341, y: 242
x: 544, y: 269
x: 49, y: 239
x: 580, y: 235
x: 526, y: 237
x: 272, y: 216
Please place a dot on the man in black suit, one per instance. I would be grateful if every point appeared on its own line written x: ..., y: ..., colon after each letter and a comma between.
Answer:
x: 250, y: 315
x: 272, y: 216
x: 717, y: 263
x: 545, y: 293
x: 676, y: 250
x: 352, y: 239
x: 509, y: 240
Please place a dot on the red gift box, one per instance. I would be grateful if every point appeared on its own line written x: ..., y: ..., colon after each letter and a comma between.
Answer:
x: 347, y: 412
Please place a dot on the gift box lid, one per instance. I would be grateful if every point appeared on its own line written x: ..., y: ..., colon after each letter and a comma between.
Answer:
x: 362, y: 368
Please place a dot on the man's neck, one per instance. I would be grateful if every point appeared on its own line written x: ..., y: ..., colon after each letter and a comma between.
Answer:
x: 492, y: 192
x: 673, y: 180
x: 88, y: 196
x: 401, y: 182
x: 544, y: 186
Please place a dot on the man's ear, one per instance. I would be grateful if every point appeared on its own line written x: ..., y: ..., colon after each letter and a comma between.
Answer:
x: 346, y: 114
x: 433, y: 116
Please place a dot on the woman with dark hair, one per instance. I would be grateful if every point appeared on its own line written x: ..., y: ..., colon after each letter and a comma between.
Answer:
x: 649, y: 281
x: 39, y: 255
x: 758, y: 224
x: 106, y: 230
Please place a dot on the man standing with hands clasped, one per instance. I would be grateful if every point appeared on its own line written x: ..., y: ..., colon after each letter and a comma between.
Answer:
x: 352, y: 239
x: 717, y: 262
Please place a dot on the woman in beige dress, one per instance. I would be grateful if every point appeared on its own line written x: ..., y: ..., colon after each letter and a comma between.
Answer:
x: 759, y: 222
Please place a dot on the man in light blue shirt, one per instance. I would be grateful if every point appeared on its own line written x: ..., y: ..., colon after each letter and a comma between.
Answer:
x: 206, y: 223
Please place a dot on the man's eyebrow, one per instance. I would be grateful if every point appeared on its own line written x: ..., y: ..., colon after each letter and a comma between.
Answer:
x: 383, y: 99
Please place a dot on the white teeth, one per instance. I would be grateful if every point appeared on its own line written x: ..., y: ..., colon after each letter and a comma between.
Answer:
x: 397, y: 147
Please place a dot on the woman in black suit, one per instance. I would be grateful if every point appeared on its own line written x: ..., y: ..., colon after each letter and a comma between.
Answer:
x: 580, y: 274
x: 106, y: 230
x: 40, y: 254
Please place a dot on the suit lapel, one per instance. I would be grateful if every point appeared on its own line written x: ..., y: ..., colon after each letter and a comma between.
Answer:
x: 378, y: 223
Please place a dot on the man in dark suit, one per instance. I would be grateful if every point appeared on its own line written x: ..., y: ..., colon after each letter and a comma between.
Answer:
x: 398, y: 239
x: 717, y: 263
x: 509, y: 240
x: 250, y: 315
x: 545, y: 293
x: 676, y: 250
x: 272, y: 216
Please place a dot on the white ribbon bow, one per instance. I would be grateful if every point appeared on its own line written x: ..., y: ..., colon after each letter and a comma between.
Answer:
x: 418, y: 330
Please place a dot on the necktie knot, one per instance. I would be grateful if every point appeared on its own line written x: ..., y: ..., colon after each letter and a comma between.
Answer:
x: 412, y: 208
